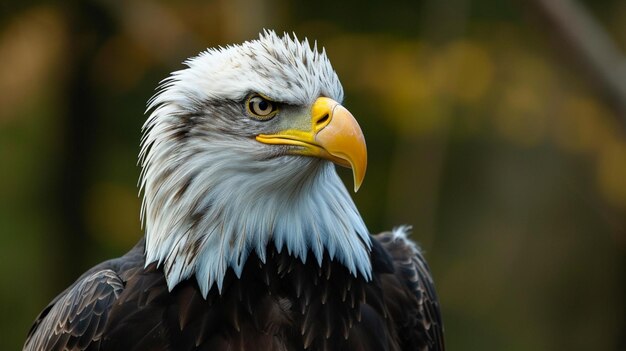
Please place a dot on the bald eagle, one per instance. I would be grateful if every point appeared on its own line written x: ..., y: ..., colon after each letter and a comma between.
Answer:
x: 251, y: 242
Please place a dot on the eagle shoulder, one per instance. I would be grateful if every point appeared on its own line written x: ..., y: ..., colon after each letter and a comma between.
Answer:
x: 421, y: 327
x: 75, y: 320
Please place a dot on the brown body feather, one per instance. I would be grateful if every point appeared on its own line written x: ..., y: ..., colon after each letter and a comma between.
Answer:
x: 282, y: 304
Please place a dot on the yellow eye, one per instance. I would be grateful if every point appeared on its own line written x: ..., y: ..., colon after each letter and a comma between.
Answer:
x: 261, y: 108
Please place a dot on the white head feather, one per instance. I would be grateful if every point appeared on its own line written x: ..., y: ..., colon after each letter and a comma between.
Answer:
x: 213, y: 194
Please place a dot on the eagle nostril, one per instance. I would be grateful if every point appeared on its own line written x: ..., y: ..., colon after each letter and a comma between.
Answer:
x: 323, y: 120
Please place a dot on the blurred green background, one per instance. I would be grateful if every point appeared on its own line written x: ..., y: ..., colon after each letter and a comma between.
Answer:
x: 499, y: 139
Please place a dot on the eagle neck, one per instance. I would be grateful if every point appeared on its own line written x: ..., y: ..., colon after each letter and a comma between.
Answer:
x: 297, y: 204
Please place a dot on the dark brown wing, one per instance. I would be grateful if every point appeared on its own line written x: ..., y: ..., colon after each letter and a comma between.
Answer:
x: 421, y: 328
x: 75, y: 320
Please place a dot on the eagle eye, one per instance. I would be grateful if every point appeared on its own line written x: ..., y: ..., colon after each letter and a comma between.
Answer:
x: 261, y: 108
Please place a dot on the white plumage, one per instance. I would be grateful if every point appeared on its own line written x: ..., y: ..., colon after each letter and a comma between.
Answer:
x: 198, y: 139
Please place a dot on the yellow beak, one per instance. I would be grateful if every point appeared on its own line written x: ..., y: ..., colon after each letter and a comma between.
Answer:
x: 334, y: 135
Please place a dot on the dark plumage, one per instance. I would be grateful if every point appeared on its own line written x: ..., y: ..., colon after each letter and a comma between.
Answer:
x: 278, y: 305
x: 252, y: 241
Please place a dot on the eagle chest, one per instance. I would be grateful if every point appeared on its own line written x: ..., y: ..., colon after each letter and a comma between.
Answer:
x: 282, y: 304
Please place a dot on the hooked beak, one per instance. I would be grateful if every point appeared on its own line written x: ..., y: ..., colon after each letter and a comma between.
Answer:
x: 334, y: 135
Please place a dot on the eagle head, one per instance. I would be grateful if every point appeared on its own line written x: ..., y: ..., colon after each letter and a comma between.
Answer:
x: 237, y: 154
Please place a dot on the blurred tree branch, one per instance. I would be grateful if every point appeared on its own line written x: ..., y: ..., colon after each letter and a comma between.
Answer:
x: 89, y: 26
x: 419, y: 159
x: 594, y: 50
x: 591, y: 46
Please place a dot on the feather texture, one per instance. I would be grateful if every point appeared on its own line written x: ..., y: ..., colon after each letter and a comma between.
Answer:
x: 213, y: 195
x: 421, y: 326
x: 247, y: 246
x: 279, y: 304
